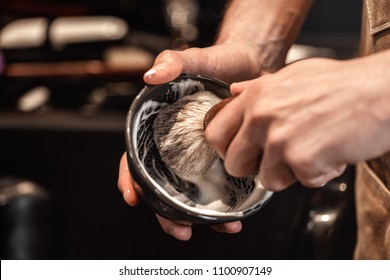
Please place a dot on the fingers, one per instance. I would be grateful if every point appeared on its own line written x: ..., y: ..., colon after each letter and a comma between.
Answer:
x: 126, y: 184
x: 276, y: 175
x: 244, y: 153
x: 178, y: 231
x: 235, y: 137
x: 224, y: 126
x: 321, y: 177
x: 243, y: 158
x: 232, y: 227
x: 184, y: 233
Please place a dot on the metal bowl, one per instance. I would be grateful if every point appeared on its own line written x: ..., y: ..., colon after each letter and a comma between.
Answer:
x: 165, y: 192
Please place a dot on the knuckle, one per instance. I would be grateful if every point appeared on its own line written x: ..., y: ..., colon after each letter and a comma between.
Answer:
x: 233, y: 169
x: 216, y: 141
x: 298, y: 159
x: 270, y: 182
x: 277, y: 138
x: 305, y: 167
x: 212, y: 138
x: 276, y: 141
x: 240, y: 166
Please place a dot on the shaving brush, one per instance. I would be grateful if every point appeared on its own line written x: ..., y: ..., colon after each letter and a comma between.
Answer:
x: 179, y: 134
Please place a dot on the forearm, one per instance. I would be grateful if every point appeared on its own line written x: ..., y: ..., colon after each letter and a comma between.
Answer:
x: 269, y: 26
x: 373, y: 77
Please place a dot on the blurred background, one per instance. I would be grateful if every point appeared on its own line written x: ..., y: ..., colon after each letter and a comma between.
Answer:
x: 69, y: 72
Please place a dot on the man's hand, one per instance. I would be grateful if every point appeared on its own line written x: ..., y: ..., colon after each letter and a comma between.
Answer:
x: 305, y: 122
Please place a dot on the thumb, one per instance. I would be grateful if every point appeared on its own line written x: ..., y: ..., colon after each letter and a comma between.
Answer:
x: 167, y: 66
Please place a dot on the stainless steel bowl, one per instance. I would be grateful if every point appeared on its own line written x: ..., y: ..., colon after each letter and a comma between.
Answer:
x: 167, y: 193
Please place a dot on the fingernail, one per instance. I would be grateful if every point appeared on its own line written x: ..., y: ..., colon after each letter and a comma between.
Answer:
x: 150, y: 73
x: 128, y: 198
x: 323, y: 180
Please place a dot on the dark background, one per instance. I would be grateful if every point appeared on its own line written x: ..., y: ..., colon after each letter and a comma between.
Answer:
x: 73, y: 156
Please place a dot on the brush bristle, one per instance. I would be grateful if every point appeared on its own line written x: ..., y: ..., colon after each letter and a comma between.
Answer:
x: 179, y: 134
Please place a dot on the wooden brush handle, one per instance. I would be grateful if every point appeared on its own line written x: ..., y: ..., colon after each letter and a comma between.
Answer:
x: 214, y: 111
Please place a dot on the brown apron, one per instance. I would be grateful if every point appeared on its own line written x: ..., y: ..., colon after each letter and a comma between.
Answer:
x: 373, y: 178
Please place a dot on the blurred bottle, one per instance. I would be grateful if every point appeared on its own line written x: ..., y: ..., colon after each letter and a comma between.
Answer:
x: 24, y: 218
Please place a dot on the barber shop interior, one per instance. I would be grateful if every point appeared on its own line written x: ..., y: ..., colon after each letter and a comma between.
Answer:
x: 74, y: 100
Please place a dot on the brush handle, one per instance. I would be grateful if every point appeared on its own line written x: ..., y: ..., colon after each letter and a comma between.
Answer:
x: 214, y: 111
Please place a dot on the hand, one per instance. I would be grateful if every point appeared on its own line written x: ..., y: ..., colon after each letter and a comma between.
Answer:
x: 181, y: 232
x: 305, y: 122
x: 227, y: 62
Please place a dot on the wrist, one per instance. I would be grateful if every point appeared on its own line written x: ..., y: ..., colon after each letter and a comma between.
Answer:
x: 268, y: 28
